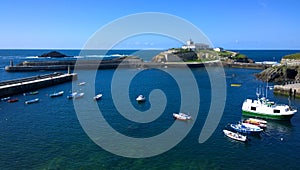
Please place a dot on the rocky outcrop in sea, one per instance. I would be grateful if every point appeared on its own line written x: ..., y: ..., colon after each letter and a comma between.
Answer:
x: 280, y: 74
x: 54, y: 54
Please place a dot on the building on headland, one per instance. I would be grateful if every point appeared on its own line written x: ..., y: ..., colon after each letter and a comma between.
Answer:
x: 218, y: 49
x: 195, y: 46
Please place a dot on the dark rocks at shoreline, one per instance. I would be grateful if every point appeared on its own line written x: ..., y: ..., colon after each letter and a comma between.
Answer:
x: 279, y: 74
x: 54, y: 54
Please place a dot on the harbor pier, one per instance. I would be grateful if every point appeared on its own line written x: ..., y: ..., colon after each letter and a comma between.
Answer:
x: 291, y: 89
x: 22, y: 85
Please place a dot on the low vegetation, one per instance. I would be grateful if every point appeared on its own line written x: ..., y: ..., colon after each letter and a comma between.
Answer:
x: 292, y: 56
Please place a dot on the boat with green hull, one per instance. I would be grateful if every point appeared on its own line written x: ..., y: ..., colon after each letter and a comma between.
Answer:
x: 267, y: 116
x: 263, y: 108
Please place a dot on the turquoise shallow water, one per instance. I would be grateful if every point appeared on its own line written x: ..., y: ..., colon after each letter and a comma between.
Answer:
x: 48, y: 135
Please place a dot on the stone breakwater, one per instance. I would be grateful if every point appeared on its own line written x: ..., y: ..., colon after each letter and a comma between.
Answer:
x: 22, y: 85
x: 90, y: 64
x: 292, y: 90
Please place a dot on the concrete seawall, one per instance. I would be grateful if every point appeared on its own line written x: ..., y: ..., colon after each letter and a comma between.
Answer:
x: 247, y: 65
x: 288, y: 90
x: 57, y: 66
x: 17, y: 86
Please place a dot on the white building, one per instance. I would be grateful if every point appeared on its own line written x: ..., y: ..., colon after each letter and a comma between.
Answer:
x: 218, y: 49
x: 195, y: 46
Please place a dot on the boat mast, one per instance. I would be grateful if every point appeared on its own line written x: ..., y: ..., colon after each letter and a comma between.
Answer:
x: 257, y: 93
x: 267, y: 90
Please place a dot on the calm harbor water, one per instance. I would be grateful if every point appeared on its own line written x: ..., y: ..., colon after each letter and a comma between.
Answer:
x: 48, y: 135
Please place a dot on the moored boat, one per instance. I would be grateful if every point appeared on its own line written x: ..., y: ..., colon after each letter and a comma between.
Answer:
x: 57, y: 94
x: 81, y: 83
x: 97, y: 97
x: 235, y: 85
x: 263, y: 108
x: 32, y: 101
x: 12, y: 100
x: 140, y: 98
x: 246, y: 128
x: 5, y: 98
x: 258, y: 122
x: 235, y: 136
x: 33, y: 92
x: 72, y: 95
x: 78, y: 95
x: 182, y: 116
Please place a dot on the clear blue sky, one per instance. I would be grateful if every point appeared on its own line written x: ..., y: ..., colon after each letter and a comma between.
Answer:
x: 232, y: 24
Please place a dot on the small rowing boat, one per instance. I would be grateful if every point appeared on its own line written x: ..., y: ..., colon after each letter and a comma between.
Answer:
x: 235, y: 136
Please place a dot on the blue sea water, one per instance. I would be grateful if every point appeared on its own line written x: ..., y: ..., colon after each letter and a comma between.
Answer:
x: 48, y: 134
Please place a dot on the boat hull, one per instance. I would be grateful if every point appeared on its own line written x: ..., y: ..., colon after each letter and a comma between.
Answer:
x: 267, y: 116
x: 235, y: 136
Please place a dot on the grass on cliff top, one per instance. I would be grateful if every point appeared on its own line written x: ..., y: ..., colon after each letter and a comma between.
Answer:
x: 240, y: 56
x: 292, y: 56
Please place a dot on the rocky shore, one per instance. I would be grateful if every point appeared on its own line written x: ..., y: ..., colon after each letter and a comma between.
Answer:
x: 288, y: 70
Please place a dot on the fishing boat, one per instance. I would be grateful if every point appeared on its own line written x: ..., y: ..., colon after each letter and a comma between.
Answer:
x: 32, y: 101
x: 72, y: 95
x: 246, y: 128
x: 258, y: 122
x: 140, y: 98
x: 57, y: 94
x: 263, y: 108
x: 12, y: 100
x: 182, y: 116
x: 97, y: 97
x: 5, y: 98
x: 78, y: 95
x: 235, y: 136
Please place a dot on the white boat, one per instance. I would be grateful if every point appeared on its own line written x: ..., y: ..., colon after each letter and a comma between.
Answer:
x: 5, y: 99
x: 72, y: 95
x: 235, y: 136
x: 263, y: 108
x: 97, y: 97
x: 182, y: 116
x: 32, y: 101
x: 81, y: 83
x: 57, y: 94
x: 78, y: 95
x: 140, y: 98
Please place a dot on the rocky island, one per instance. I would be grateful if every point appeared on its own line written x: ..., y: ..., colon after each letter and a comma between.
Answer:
x: 198, y: 52
x: 54, y: 54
